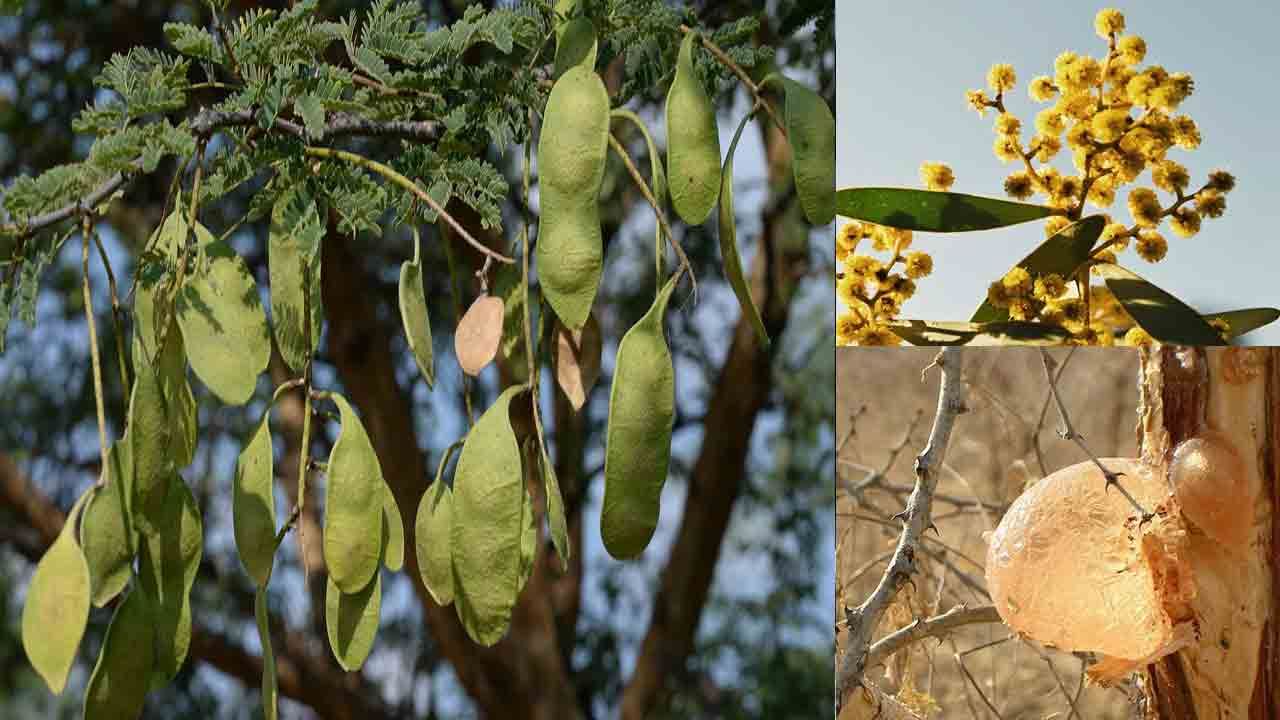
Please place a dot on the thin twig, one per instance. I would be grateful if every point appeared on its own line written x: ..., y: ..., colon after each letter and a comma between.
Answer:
x: 916, y: 521
x: 685, y: 265
x: 937, y: 626
x: 115, y: 314
x: 86, y: 231
x: 974, y: 682
x: 1068, y: 432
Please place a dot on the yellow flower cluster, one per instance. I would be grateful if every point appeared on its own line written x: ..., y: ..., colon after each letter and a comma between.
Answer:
x: 871, y: 291
x: 1117, y: 120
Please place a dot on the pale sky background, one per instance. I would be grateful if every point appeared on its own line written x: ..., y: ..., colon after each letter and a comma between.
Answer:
x: 903, y: 69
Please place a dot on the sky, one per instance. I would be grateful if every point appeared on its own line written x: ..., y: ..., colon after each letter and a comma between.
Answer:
x: 902, y: 73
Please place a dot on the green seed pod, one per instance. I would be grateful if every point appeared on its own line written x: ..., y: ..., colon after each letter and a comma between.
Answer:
x: 693, y: 142
x: 811, y: 129
x: 433, y: 530
x: 253, y: 505
x: 57, y: 606
x: 118, y: 686
x: 294, y: 247
x: 105, y: 534
x: 150, y: 436
x: 353, y: 505
x: 555, y: 509
x: 488, y: 500
x: 571, y: 164
x: 575, y: 45
x: 168, y: 562
x: 393, y: 532
x: 352, y: 621
x: 414, y: 315
x: 638, y: 438
x: 219, y: 309
x: 729, y: 244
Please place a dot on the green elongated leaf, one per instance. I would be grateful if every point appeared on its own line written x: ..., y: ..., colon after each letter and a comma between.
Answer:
x: 433, y: 535
x: 488, y: 497
x: 294, y: 259
x: 353, y: 505
x: 106, y: 537
x: 1163, y: 316
x: 811, y: 130
x: 118, y: 686
x: 352, y: 621
x: 1240, y: 322
x: 253, y: 504
x: 575, y: 45
x: 729, y: 242
x: 1061, y: 254
x: 556, y: 519
x: 932, y: 211
x: 223, y: 323
x: 57, y: 606
x: 414, y: 314
x: 638, y: 436
x: 270, y: 687
x: 393, y: 527
x: 150, y: 435
x: 571, y: 165
x: 921, y: 332
x: 169, y: 561
x: 693, y: 141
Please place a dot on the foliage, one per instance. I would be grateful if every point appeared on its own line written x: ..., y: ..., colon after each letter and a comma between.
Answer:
x: 1118, y: 121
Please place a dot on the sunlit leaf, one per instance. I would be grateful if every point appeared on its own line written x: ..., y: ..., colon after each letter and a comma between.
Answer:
x: 1163, y: 316
x: 932, y: 211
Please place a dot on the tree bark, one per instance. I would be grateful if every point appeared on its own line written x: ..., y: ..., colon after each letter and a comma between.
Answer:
x: 1231, y: 670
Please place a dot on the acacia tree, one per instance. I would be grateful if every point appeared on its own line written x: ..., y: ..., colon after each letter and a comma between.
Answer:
x: 337, y: 128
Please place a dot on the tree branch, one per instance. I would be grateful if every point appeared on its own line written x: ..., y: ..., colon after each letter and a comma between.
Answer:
x: 917, y: 519
x: 933, y: 627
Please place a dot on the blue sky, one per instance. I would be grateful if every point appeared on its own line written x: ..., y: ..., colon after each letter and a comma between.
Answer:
x: 903, y: 69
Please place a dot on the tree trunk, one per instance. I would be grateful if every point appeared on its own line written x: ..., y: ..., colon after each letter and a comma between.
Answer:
x: 1233, y: 668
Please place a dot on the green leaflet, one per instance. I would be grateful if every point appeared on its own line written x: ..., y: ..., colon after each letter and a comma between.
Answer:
x: 638, y: 437
x: 270, y: 689
x: 352, y: 505
x: 488, y: 500
x: 571, y: 164
x: 433, y: 535
x: 811, y: 130
x: 393, y: 528
x: 352, y: 621
x: 118, y: 686
x: 105, y: 536
x: 575, y: 45
x: 253, y: 504
x: 1163, y: 316
x: 555, y: 508
x: 1062, y: 254
x: 223, y: 324
x: 932, y: 211
x: 693, y: 141
x: 294, y: 259
x: 57, y: 606
x: 920, y: 332
x: 168, y: 562
x: 414, y: 314
x: 150, y: 435
x: 729, y: 241
x: 1240, y: 322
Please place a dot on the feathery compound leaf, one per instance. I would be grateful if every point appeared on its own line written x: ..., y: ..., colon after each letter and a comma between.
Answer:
x: 352, y: 505
x: 414, y: 314
x: 167, y: 567
x: 253, y: 504
x: 729, y: 242
x: 488, y: 497
x: 294, y: 247
x: 1163, y: 316
x: 270, y: 688
x: 223, y: 323
x: 1062, y: 254
x: 693, y: 141
x: 638, y: 438
x: 811, y: 130
x: 433, y: 535
x: 1240, y: 322
x: 931, y: 211
x: 105, y: 535
x: 57, y: 606
x: 352, y: 621
x: 118, y: 686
